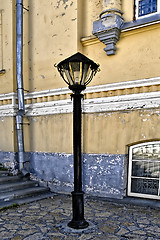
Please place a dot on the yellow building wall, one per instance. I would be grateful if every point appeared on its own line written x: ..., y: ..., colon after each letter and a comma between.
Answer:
x: 51, y: 33
x: 111, y: 133
x: 55, y: 34
x: 137, y: 57
x: 90, y: 13
x: 7, y: 135
x: 53, y: 30
x: 49, y: 133
x: 103, y: 133
x: 8, y: 56
x: 128, y: 10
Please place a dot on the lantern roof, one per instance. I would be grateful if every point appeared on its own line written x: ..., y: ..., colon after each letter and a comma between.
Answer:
x: 78, y: 57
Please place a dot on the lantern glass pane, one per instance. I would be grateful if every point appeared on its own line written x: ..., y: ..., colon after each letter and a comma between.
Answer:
x: 68, y: 77
x: 86, y: 71
x: 90, y: 76
x: 75, y: 71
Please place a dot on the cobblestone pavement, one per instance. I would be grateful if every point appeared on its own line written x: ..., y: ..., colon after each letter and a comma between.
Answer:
x: 41, y: 220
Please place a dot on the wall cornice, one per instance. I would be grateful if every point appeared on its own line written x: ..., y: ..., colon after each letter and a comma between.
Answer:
x: 124, y: 85
x: 123, y: 103
x: 57, y: 101
x: 129, y: 28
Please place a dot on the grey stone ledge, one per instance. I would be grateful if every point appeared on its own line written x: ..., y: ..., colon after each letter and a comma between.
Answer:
x: 148, y: 20
x: 109, y: 27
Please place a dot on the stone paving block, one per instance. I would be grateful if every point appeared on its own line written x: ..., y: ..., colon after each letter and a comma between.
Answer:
x: 55, y: 238
x: 27, y: 226
x: 40, y: 220
x: 11, y: 226
x: 107, y: 228
x: 122, y: 231
x: 27, y: 232
x: 36, y: 236
x: 7, y: 234
x: 17, y: 238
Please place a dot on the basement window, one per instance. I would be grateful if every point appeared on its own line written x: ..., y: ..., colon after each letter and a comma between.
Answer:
x: 144, y: 170
x: 145, y: 8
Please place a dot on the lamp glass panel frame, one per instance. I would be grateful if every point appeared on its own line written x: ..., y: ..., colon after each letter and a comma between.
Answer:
x: 77, y: 73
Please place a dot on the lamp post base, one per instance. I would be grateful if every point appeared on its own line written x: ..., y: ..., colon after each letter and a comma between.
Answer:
x: 78, y: 221
x: 78, y: 224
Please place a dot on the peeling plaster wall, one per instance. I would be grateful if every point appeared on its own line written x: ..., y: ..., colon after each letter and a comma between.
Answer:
x: 7, y: 80
x: 136, y: 58
x: 127, y: 9
x: 9, y: 160
x: 90, y: 14
x: 7, y: 134
x: 106, y: 137
x: 51, y: 37
x: 49, y: 133
x: 102, y: 174
x: 103, y: 133
x: 112, y: 132
x: 51, y: 33
x: 112, y: 4
x: 92, y: 10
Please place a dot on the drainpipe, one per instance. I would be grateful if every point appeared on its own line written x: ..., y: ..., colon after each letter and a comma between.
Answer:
x: 20, y: 90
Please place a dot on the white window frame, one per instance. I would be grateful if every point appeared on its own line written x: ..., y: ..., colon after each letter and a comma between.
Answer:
x: 147, y: 15
x: 129, y: 192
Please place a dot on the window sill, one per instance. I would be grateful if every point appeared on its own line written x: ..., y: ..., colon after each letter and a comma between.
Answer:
x: 126, y: 28
x: 143, y: 22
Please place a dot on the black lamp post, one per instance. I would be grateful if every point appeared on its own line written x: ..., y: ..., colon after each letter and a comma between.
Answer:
x: 77, y: 71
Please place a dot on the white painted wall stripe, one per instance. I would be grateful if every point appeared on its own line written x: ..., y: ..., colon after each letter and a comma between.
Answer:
x: 96, y: 105
x: 125, y: 102
x: 124, y: 85
x: 99, y: 88
x: 105, y: 104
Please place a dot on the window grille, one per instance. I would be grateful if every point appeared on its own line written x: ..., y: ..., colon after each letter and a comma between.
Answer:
x: 144, y: 170
x: 147, y: 7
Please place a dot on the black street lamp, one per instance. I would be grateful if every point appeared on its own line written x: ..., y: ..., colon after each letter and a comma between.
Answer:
x: 77, y: 71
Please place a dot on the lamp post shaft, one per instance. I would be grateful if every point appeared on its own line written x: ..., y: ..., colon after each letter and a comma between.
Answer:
x: 77, y: 141
x: 78, y: 221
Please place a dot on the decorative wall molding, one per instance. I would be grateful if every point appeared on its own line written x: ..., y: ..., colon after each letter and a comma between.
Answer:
x: 47, y: 93
x: 8, y: 104
x: 90, y: 40
x: 121, y: 103
x: 44, y: 103
x: 97, y: 105
x: 124, y: 85
x: 49, y: 108
x: 128, y: 28
x: 108, y: 28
